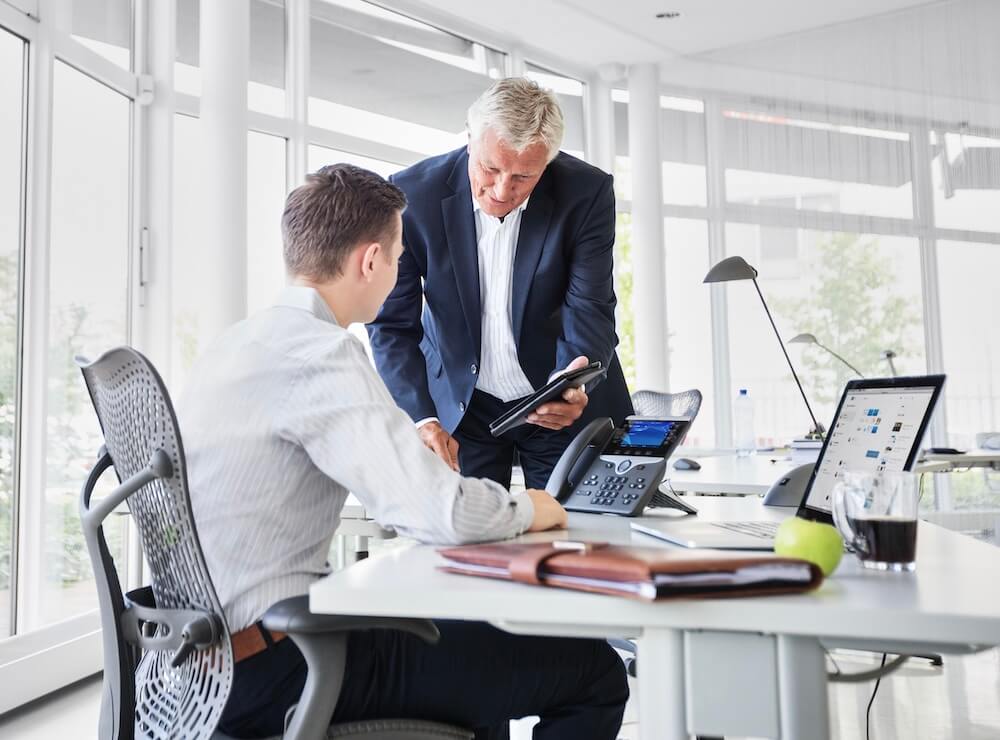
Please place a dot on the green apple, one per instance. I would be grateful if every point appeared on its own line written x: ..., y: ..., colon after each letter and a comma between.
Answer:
x: 813, y: 541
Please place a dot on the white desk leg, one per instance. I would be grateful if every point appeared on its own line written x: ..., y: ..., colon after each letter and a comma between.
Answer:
x: 802, y: 697
x: 660, y: 653
x: 341, y: 543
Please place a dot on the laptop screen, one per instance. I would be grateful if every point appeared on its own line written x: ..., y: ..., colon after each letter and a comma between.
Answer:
x: 879, y: 426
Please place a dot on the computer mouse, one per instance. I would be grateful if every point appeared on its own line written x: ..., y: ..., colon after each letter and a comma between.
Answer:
x: 686, y: 463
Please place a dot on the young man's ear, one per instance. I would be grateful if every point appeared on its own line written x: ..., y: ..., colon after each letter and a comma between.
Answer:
x: 369, y: 255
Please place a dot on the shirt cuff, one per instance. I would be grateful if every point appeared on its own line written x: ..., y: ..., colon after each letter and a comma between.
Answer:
x: 525, y: 513
x: 428, y: 420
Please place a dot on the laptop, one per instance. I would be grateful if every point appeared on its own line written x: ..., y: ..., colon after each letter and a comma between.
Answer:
x: 878, y: 426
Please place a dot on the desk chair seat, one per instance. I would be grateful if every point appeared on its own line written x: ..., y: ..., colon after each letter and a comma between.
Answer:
x: 384, y: 729
x: 168, y: 657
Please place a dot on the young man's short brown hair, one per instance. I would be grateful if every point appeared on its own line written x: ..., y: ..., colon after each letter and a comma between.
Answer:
x: 339, y: 207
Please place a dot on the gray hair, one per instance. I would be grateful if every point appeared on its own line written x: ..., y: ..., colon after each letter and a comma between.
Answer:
x: 520, y: 113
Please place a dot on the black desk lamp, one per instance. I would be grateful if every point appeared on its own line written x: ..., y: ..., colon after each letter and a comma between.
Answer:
x: 811, y: 339
x: 887, y: 355
x: 736, y: 268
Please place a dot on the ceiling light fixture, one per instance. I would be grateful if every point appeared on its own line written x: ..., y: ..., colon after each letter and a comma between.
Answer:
x: 668, y: 14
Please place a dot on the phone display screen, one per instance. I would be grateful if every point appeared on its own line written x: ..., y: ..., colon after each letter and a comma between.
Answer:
x: 646, y: 437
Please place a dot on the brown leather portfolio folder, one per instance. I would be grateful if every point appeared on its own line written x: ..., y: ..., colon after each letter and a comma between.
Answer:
x: 639, y: 572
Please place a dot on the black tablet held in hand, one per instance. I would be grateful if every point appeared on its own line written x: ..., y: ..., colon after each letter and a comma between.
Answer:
x: 553, y: 390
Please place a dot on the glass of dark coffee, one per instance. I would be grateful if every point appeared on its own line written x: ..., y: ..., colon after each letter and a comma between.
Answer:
x: 876, y: 512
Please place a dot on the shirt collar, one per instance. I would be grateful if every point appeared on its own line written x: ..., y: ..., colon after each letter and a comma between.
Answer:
x: 306, y: 299
x: 477, y: 209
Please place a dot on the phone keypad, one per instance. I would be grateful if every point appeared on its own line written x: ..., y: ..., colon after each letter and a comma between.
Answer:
x: 604, y: 491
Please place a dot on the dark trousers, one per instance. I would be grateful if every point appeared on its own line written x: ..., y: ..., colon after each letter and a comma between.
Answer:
x: 477, y: 677
x: 481, y: 455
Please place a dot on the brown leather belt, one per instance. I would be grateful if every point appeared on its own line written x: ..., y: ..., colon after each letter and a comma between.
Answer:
x: 252, y: 640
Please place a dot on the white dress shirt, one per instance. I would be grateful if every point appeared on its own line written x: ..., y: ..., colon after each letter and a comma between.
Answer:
x: 283, y: 416
x: 500, y: 373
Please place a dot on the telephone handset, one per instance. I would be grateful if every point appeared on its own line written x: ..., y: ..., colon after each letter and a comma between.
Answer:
x: 616, y: 470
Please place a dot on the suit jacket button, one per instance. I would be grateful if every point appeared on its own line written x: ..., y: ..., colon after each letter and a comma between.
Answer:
x: 461, y: 407
x: 474, y: 368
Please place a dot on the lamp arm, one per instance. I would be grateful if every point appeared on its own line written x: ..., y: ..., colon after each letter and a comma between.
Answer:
x: 788, y: 359
x: 856, y: 371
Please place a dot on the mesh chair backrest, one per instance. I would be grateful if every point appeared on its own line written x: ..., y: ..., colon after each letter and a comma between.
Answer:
x: 654, y: 403
x: 137, y: 418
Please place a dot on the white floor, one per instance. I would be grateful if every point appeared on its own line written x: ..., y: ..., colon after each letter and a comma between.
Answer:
x: 960, y: 701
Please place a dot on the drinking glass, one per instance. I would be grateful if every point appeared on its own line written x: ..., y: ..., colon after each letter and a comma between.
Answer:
x: 876, y: 512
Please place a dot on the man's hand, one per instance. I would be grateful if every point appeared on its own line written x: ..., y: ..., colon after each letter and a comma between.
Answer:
x: 440, y: 443
x: 549, y: 513
x: 557, y: 415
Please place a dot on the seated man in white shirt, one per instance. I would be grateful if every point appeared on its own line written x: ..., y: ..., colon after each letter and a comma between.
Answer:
x: 283, y: 416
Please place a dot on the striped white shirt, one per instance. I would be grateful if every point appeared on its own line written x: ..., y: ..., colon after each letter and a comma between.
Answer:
x: 283, y: 416
x: 500, y: 373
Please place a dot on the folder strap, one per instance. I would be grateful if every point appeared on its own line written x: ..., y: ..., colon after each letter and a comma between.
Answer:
x: 525, y: 567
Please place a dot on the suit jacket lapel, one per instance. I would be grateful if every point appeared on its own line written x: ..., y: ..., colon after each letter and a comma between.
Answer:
x: 460, y: 231
x: 530, y: 240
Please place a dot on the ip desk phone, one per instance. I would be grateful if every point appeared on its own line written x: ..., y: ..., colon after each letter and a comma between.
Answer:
x: 609, y: 470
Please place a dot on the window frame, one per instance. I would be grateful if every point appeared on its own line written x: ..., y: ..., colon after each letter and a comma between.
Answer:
x: 38, y: 661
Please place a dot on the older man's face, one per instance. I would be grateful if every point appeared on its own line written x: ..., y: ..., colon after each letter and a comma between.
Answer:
x: 501, y: 177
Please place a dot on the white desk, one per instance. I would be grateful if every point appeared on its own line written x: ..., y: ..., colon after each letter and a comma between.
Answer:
x: 946, y: 463
x: 730, y: 475
x: 714, y: 667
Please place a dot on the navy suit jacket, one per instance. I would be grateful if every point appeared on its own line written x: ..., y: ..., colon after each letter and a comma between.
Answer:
x: 426, y: 338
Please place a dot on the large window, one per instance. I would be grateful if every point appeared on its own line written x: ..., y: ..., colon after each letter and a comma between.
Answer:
x: 970, y: 307
x: 105, y: 26
x: 320, y: 156
x: 265, y: 202
x: 385, y: 78
x: 266, y: 87
x: 966, y: 171
x: 570, y: 95
x: 12, y: 149
x: 88, y: 314
x: 859, y: 294
x: 682, y: 149
x: 689, y: 320
x: 191, y: 213
x: 814, y: 165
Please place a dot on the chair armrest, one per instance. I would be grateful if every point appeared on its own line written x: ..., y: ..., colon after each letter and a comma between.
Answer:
x: 293, y: 616
x: 322, y: 638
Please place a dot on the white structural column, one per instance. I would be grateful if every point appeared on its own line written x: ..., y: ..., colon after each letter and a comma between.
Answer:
x: 600, y: 122
x: 297, y: 90
x: 716, y: 174
x: 154, y: 319
x: 649, y: 302
x: 225, y: 59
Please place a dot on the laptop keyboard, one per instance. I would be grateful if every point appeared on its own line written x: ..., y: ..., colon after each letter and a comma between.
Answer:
x: 764, y: 530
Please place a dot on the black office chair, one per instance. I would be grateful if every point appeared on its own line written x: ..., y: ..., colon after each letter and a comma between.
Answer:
x: 168, y: 658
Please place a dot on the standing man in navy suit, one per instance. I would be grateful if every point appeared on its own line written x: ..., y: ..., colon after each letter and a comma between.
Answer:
x: 506, y: 280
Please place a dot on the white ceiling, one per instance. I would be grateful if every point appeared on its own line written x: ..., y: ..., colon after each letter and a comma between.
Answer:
x: 591, y: 32
x: 937, y: 60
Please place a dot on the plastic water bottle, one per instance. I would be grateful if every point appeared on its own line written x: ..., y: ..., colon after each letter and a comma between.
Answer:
x: 746, y: 440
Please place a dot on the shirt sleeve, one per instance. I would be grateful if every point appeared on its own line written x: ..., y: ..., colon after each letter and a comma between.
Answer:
x: 341, y: 413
